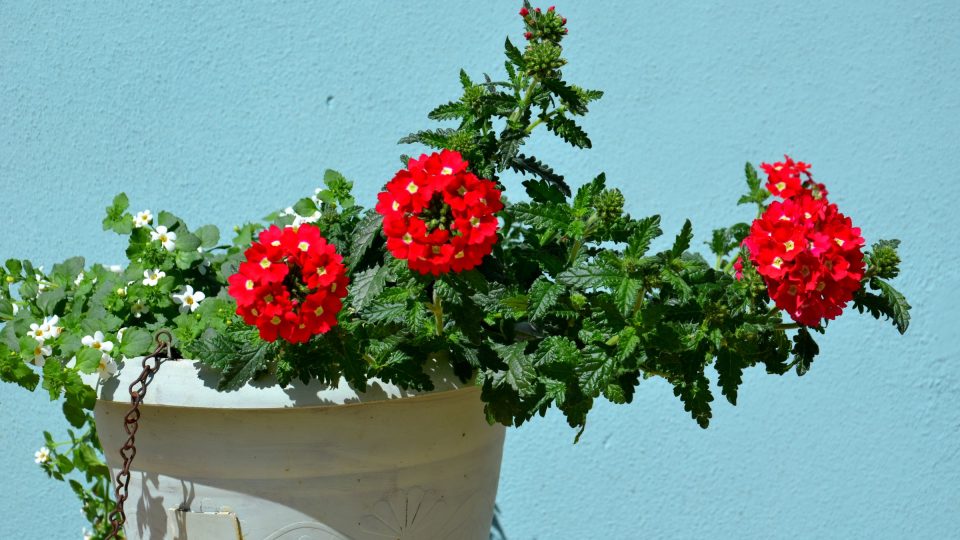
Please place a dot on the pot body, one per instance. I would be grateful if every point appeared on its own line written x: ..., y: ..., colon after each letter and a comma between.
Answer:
x: 303, y: 463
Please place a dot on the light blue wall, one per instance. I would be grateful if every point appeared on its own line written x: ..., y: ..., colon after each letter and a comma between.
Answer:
x: 225, y: 112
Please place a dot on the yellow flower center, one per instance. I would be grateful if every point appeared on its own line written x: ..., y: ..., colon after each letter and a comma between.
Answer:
x: 459, y: 255
x: 319, y: 311
x: 322, y: 271
x: 265, y: 263
x: 275, y: 243
x: 780, y: 186
x: 446, y: 171
x: 788, y: 245
x: 96, y: 345
x: 820, y: 286
x: 249, y: 285
x: 474, y: 221
x: 838, y: 241
x: 303, y: 246
x: 395, y: 206
x: 412, y: 188
x: 268, y: 298
x: 793, y: 289
x: 188, y: 300
x: 275, y: 320
x: 407, y: 239
x: 255, y: 312
x: 777, y: 263
x: 163, y: 238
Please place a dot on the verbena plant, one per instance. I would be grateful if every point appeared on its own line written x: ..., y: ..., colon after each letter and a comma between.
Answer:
x: 553, y: 300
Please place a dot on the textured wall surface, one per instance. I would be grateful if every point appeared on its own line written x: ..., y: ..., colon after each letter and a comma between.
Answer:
x: 225, y: 111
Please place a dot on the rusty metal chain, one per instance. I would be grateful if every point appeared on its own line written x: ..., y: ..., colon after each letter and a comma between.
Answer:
x: 138, y: 390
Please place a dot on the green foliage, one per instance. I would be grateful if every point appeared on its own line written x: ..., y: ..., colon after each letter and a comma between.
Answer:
x: 571, y: 307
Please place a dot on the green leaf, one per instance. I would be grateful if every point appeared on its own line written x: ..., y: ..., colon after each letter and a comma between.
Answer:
x: 14, y: 370
x: 753, y: 181
x: 644, y: 232
x: 682, y: 243
x: 595, y: 370
x: 591, y: 276
x: 88, y: 359
x: 696, y: 396
x: 187, y: 242
x: 305, y: 207
x: 520, y: 374
x: 435, y: 138
x: 569, y: 131
x: 367, y: 285
x: 805, y: 349
x: 363, y: 237
x: 239, y: 358
x: 449, y: 111
x: 729, y: 368
x: 209, y: 235
x: 48, y: 301
x: 136, y: 342
x: 567, y: 94
x: 514, y: 54
x: 528, y: 164
x: 543, y: 296
x: 117, y: 218
x: 383, y: 312
x: 899, y: 309
x: 543, y: 216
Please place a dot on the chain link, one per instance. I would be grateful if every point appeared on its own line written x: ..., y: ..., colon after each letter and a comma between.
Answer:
x: 131, y: 422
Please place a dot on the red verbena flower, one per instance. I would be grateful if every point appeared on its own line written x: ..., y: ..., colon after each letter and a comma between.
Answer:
x: 785, y: 178
x: 291, y: 285
x: 439, y: 216
x: 809, y: 254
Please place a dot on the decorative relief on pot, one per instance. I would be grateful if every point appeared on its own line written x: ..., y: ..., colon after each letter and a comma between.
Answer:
x: 416, y: 514
x: 306, y: 530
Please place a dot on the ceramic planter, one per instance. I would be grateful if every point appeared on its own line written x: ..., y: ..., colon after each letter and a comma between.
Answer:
x: 303, y: 463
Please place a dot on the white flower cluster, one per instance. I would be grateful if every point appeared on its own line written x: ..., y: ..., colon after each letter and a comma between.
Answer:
x: 108, y: 366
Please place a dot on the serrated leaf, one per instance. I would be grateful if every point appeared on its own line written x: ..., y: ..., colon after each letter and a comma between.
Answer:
x: 595, y: 371
x: 383, y: 312
x: 435, y: 138
x: 805, y: 349
x: 591, y: 276
x: 567, y: 94
x: 729, y: 368
x: 363, y: 236
x: 682, y: 243
x: 528, y: 164
x: 520, y: 374
x: 543, y: 216
x: 514, y: 54
x: 644, y: 232
x: 696, y: 397
x: 543, y: 296
x: 569, y: 131
x: 899, y: 309
x: 239, y: 359
x: 366, y: 285
x: 449, y: 111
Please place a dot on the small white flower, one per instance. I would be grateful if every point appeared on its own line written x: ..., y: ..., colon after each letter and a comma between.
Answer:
x: 188, y: 299
x: 115, y: 268
x: 142, y: 219
x: 41, y: 456
x: 46, y: 329
x: 16, y: 309
x: 122, y: 291
x: 120, y: 334
x: 79, y: 280
x: 96, y: 341
x: 300, y: 220
x: 151, y: 277
x: 86, y: 535
x: 41, y: 283
x: 107, y: 367
x: 165, y: 237
x: 138, y: 309
x: 289, y: 211
x: 40, y: 354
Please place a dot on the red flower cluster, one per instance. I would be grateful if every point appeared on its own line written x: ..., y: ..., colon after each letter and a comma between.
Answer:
x: 439, y: 216
x: 809, y: 254
x: 291, y: 285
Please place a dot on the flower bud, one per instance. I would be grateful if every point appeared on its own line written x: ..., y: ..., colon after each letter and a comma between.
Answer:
x: 524, y: 12
x: 609, y: 204
x: 885, y: 260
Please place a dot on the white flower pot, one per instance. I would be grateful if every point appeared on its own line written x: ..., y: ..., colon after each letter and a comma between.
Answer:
x: 303, y: 463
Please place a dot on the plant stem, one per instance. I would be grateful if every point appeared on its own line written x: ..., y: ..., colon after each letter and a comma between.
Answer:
x: 788, y: 326
x: 544, y: 118
x: 438, y: 311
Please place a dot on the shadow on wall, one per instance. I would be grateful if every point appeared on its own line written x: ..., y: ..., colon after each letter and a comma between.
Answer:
x: 496, y: 530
